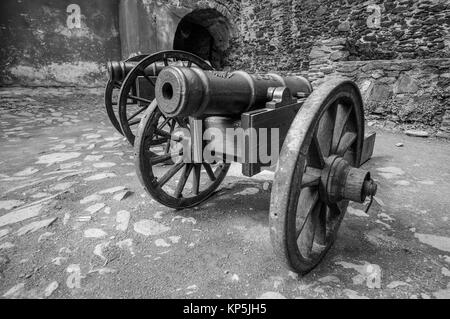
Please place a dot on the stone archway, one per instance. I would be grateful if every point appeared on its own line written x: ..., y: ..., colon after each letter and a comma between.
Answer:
x: 206, y: 33
x: 150, y: 26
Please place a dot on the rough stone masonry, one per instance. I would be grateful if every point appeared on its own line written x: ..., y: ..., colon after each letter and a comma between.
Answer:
x: 398, y: 51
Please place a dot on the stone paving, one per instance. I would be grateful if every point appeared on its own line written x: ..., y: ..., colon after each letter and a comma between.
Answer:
x: 76, y: 223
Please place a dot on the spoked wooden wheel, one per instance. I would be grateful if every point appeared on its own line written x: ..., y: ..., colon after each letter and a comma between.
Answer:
x: 130, y: 114
x: 160, y: 166
x: 312, y: 182
x: 112, y: 96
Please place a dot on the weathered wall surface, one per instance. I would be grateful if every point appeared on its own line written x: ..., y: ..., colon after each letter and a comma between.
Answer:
x: 408, y: 92
x: 397, y: 50
x: 282, y: 33
x: 57, y: 42
x: 148, y: 26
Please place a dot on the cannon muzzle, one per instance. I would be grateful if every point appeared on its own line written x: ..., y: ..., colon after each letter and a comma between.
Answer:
x: 182, y: 91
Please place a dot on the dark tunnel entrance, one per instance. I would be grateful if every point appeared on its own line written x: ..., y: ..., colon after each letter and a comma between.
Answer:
x: 206, y: 33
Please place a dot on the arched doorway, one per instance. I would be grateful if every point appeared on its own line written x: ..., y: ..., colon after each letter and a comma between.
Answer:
x: 206, y: 33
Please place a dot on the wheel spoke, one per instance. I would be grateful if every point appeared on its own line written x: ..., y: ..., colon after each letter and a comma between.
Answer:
x: 196, y: 179
x: 172, y: 127
x: 346, y: 142
x: 180, y: 123
x: 209, y: 171
x: 325, y: 131
x: 334, y: 212
x: 342, y: 116
x: 307, y: 201
x: 168, y: 135
x: 315, y: 157
x: 162, y: 158
x: 159, y: 141
x: 140, y: 99
x: 163, y: 124
x: 311, y: 177
x: 306, y: 238
x: 167, y: 147
x: 163, y: 133
x: 182, y: 182
x: 219, y: 169
x: 170, y: 173
x: 321, y: 226
x: 134, y: 122
x: 150, y: 80
x: 335, y: 209
x: 137, y: 113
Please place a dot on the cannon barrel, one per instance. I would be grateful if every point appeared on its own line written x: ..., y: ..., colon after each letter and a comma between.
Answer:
x: 118, y: 70
x: 182, y: 91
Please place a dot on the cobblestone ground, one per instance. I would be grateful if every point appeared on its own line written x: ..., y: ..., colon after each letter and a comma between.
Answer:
x: 75, y: 222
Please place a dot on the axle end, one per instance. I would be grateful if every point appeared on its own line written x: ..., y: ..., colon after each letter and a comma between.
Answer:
x: 359, y: 185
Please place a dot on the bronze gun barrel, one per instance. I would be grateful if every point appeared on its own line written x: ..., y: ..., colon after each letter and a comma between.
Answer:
x: 118, y: 70
x: 182, y: 91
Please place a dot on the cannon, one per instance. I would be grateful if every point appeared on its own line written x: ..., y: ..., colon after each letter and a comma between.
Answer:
x: 318, y: 136
x: 113, y: 86
x: 124, y: 107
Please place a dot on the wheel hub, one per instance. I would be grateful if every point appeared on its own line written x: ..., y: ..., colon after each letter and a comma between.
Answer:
x: 340, y: 181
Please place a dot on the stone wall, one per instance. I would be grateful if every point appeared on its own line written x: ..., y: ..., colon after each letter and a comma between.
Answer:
x: 57, y: 42
x: 413, y: 93
x: 409, y: 92
x: 398, y: 51
x: 148, y: 26
x: 282, y: 34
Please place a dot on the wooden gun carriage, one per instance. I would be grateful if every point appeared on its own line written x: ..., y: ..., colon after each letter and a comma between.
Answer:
x: 319, y: 142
